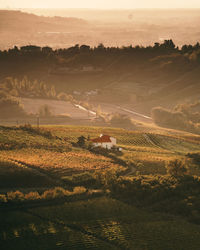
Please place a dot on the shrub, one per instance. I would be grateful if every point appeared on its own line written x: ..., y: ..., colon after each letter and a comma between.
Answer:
x: 195, y: 157
x: 62, y: 96
x: 176, y: 168
x: 178, y: 196
x: 59, y: 192
x: 15, y: 196
x: 100, y: 150
x: 48, y: 194
x: 28, y: 88
x: 181, y: 118
x: 55, y: 193
x: 81, y: 141
x: 3, y: 198
x: 79, y: 190
x: 165, y: 117
x: 106, y: 178
x: 45, y: 111
x: 32, y: 196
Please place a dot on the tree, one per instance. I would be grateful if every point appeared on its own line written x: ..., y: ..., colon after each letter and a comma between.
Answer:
x: 165, y: 117
x: 176, y: 168
x: 81, y: 141
x: 84, y: 48
x: 45, y: 111
x: 101, y: 47
x: 121, y: 120
x: 168, y: 44
x: 156, y: 45
x: 98, y: 112
x: 53, y: 92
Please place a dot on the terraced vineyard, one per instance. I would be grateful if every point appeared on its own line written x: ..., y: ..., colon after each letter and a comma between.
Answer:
x: 56, y: 154
x: 61, y: 163
x: 37, y: 160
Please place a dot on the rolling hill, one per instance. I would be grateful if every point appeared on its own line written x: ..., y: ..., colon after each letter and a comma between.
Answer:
x: 20, y: 22
x: 55, y: 194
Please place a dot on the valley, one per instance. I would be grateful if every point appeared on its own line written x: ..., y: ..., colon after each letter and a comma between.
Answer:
x: 99, y: 128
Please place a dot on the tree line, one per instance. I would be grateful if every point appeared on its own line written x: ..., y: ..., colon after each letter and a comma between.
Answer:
x: 183, y: 116
x: 47, y: 52
x: 13, y: 88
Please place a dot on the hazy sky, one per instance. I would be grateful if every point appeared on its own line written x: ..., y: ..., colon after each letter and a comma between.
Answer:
x: 105, y: 4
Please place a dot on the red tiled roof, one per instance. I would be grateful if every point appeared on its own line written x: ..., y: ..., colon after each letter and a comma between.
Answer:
x: 103, y: 138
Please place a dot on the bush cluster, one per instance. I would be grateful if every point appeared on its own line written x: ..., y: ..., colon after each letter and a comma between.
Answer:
x: 179, y: 196
x: 27, y: 88
x: 55, y: 193
x: 120, y: 120
x: 182, y: 117
x: 195, y: 157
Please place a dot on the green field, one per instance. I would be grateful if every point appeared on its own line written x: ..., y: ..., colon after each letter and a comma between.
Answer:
x: 100, y: 214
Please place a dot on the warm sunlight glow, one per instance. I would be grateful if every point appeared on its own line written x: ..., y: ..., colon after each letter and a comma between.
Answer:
x: 103, y: 4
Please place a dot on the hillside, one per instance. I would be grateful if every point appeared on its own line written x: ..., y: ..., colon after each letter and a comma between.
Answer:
x: 17, y: 21
x: 99, y: 129
x: 135, y: 77
x: 132, y: 81
x: 185, y: 87
x: 52, y: 150
x: 58, y: 194
x: 112, y: 27
x: 20, y: 28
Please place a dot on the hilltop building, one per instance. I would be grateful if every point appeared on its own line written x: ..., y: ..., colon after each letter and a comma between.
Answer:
x: 104, y: 141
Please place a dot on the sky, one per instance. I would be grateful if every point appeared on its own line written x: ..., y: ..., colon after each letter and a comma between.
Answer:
x: 100, y: 4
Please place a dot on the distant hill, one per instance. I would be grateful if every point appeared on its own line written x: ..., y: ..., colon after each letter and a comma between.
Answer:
x: 19, y: 28
x: 18, y: 21
x: 64, y: 28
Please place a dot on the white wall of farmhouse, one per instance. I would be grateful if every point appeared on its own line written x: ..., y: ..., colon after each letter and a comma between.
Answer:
x: 107, y: 145
x: 113, y: 140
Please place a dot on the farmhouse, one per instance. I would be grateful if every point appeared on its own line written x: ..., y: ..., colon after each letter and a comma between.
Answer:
x: 104, y: 141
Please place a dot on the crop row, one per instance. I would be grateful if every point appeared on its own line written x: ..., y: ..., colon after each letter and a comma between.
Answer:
x: 57, y: 161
